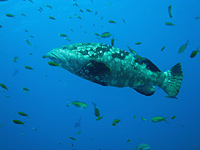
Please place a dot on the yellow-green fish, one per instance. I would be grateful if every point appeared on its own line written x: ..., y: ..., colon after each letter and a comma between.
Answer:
x: 132, y: 51
x: 80, y: 10
x: 169, y: 24
x: 173, y: 117
x: 28, y: 42
x: 72, y: 138
x: 183, y: 47
x: 53, y: 63
x: 162, y: 48
x: 128, y: 140
x: 31, y: 36
x: 169, y: 10
x: 0, y: 26
x: 194, y: 53
x: 112, y: 41
x: 25, y: 89
x: 62, y: 35
x: 115, y: 122
x: 96, y: 110
x: 1, y: 125
x: 134, y: 116
x: 22, y: 14
x: 18, y: 122
x: 99, y: 118
x: 44, y: 56
x: 111, y: 21
x: 10, y: 15
x: 158, y: 119
x: 197, y: 18
x: 3, y: 86
x: 106, y: 35
x: 79, y: 132
x: 28, y: 67
x: 96, y: 34
x: 124, y: 20
x: 50, y: 17
x: 15, y: 59
x: 68, y: 39
x: 22, y: 114
x: 88, y: 10
x: 138, y: 43
x: 79, y: 104
x: 48, y: 6
x: 144, y: 119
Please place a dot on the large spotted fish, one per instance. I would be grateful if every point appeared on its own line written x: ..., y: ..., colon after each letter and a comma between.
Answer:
x: 110, y: 66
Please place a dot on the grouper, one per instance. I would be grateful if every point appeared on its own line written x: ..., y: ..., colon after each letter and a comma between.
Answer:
x: 110, y: 66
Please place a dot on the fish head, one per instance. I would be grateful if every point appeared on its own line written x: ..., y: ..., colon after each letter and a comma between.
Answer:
x: 68, y: 58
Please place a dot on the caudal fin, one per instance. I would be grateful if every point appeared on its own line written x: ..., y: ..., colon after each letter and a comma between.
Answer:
x: 173, y: 80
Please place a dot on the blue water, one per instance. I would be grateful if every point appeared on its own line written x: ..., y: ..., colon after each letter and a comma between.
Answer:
x: 52, y: 87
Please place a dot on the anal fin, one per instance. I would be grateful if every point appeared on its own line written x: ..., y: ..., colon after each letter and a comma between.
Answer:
x: 145, y: 90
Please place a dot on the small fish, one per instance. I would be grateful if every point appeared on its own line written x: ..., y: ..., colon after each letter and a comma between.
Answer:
x: 23, y: 14
x: 30, y: 1
x: 72, y: 138
x: 18, y: 122
x: 106, y: 35
x: 197, y: 18
x: 194, y: 53
x: 0, y: 26
x: 53, y: 63
x: 132, y: 51
x: 183, y: 47
x: 144, y: 119
x: 31, y: 36
x: 62, y: 35
x: 3, y: 86
x: 101, y: 17
x: 79, y: 132
x: 48, y: 6
x: 115, y: 122
x: 26, y: 30
x: 124, y: 20
x: 162, y: 48
x: 134, y: 116
x: 28, y: 67
x: 158, y: 119
x: 50, y: 17
x: 67, y: 39
x: 1, y: 125
x: 22, y: 133
x: 88, y: 10
x: 96, y: 110
x: 128, y: 140
x: 15, y: 59
x: 112, y: 41
x: 96, y: 13
x: 111, y: 21
x: 108, y: 4
x: 169, y: 10
x: 25, y: 89
x: 3, y: 0
x: 44, y: 56
x: 7, y: 96
x: 96, y: 34
x: 169, y: 24
x: 28, y: 42
x: 34, y: 129
x: 80, y: 10
x: 22, y: 114
x: 99, y: 118
x: 173, y: 117
x: 10, y: 15
x: 79, y: 104
x: 174, y: 97
x: 138, y: 43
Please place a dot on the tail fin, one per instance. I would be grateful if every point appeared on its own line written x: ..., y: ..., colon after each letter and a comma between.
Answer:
x: 173, y: 80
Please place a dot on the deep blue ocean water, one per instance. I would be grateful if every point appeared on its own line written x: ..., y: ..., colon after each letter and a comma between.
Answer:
x: 52, y: 87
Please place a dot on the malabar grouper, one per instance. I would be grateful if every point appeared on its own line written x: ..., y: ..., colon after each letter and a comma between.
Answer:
x: 110, y: 66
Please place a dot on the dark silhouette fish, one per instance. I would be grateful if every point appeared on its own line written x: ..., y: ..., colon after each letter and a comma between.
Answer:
x: 110, y: 66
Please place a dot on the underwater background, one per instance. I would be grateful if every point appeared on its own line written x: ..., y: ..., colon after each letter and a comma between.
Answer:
x: 30, y: 34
